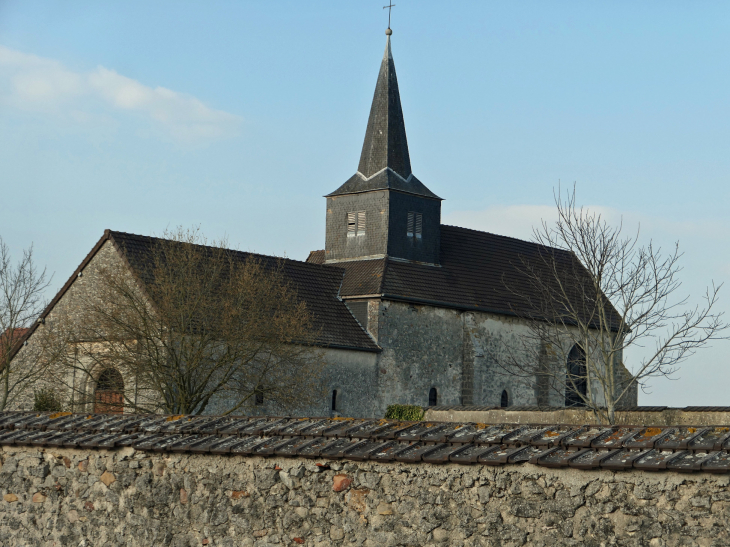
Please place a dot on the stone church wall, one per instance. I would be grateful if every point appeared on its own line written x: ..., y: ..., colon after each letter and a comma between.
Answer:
x: 66, y: 311
x: 451, y: 350
x: 136, y: 499
x: 457, y: 352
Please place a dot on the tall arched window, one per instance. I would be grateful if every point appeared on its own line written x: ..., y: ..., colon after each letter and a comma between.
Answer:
x: 109, y: 394
x: 334, y: 399
x: 576, y: 378
x: 433, y: 397
x: 504, y: 402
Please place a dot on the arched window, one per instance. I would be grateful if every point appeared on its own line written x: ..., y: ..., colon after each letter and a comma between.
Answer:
x: 259, y: 394
x: 576, y: 378
x: 334, y: 399
x: 109, y: 394
x: 433, y: 397
x: 504, y: 402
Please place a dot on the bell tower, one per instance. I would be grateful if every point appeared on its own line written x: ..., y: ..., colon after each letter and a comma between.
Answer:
x: 383, y: 210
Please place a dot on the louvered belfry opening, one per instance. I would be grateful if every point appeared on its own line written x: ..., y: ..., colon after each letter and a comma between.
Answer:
x: 356, y: 223
x: 109, y: 394
x: 414, y: 227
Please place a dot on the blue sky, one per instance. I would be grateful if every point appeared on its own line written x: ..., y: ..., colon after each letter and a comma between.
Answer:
x: 240, y: 116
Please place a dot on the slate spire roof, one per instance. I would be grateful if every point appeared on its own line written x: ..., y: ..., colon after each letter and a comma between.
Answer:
x: 385, y: 162
x: 385, y: 143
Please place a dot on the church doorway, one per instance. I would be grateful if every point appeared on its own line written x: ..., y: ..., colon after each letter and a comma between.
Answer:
x: 576, y: 378
x: 109, y: 395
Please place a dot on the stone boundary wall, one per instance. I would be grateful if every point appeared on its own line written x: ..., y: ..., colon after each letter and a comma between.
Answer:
x: 668, y: 417
x: 101, y: 498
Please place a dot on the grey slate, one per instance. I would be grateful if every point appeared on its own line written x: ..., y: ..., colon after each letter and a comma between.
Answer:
x: 477, y: 271
x: 385, y: 162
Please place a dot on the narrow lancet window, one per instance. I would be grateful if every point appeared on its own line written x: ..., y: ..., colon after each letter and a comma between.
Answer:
x: 432, y: 397
x: 576, y: 380
x: 334, y: 399
x: 504, y: 403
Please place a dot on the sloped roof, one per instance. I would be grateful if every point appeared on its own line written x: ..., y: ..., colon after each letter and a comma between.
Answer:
x: 385, y: 162
x: 387, y: 179
x: 589, y: 447
x: 318, y: 286
x: 477, y: 271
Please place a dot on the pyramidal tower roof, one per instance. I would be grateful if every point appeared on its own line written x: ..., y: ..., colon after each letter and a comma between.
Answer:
x: 385, y: 143
x: 385, y: 162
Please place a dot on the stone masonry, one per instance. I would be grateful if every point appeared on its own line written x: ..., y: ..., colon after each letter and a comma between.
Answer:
x: 56, y: 497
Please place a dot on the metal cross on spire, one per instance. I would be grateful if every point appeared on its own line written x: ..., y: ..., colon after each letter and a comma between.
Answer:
x: 389, y: 6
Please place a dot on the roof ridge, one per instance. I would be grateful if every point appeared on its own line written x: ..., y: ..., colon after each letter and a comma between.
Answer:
x: 286, y: 259
x: 527, y: 241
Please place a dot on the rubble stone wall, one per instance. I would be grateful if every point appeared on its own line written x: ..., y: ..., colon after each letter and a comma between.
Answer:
x: 124, y: 497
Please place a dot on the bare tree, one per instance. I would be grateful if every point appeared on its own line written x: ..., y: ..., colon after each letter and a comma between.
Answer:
x: 588, y: 294
x: 195, y: 327
x: 22, y: 288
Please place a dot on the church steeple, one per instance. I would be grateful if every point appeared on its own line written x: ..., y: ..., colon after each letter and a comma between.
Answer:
x: 385, y: 162
x: 383, y: 210
x: 385, y: 138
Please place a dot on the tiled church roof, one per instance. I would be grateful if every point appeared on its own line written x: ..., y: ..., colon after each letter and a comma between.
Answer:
x: 318, y: 286
x: 680, y: 448
x: 477, y: 271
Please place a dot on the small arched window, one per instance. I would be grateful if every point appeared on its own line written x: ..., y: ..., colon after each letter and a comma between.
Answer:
x: 504, y: 402
x: 334, y: 399
x: 433, y: 397
x: 109, y: 394
x: 576, y: 378
x: 259, y: 394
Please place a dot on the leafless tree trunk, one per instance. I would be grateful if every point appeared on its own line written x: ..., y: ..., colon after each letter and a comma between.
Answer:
x: 199, y: 328
x: 22, y: 287
x: 591, y: 293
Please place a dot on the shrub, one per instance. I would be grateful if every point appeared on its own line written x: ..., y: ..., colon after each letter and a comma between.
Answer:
x: 46, y: 400
x: 410, y: 413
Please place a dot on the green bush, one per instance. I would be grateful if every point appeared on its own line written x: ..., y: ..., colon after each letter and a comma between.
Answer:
x: 410, y: 413
x: 46, y: 400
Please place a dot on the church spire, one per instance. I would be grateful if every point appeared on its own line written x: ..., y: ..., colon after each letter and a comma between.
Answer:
x: 385, y: 139
x: 383, y: 210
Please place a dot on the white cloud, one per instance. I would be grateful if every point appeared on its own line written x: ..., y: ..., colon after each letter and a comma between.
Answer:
x: 516, y: 220
x: 519, y: 221
x: 36, y: 84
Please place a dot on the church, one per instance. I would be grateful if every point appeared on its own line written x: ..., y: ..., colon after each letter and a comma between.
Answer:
x: 410, y: 311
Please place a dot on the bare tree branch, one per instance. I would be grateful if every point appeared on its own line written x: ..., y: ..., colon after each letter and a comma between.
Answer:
x: 199, y: 327
x: 593, y: 288
x: 22, y: 288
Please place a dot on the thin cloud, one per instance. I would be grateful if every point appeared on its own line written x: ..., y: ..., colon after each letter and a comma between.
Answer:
x: 36, y: 84
x: 517, y: 221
